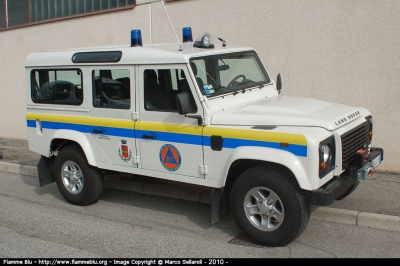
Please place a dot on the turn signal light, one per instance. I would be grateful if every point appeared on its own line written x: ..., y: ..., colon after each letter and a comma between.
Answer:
x: 322, y: 166
x: 284, y: 144
x: 370, y: 134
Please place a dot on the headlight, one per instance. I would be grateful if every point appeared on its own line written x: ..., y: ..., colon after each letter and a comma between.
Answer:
x: 326, y: 156
x: 325, y: 153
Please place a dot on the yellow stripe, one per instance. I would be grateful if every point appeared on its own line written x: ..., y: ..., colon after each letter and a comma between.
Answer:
x: 82, y: 120
x: 175, y: 128
x: 225, y: 132
x: 256, y: 135
x: 117, y: 123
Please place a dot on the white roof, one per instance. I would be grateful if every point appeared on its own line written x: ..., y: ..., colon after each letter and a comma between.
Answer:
x: 147, y: 54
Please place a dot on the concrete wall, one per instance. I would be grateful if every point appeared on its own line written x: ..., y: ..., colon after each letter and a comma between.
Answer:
x: 343, y: 51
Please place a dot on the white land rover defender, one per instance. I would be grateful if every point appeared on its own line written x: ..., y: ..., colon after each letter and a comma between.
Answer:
x: 197, y: 113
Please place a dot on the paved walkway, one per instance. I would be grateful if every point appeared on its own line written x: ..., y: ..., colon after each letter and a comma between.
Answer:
x: 375, y: 203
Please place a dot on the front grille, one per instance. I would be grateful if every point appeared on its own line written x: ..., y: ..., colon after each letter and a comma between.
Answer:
x: 352, y: 141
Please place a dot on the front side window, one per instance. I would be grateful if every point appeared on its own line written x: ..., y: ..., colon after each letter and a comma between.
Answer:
x: 228, y: 73
x: 111, y: 88
x: 61, y: 86
x: 161, y: 87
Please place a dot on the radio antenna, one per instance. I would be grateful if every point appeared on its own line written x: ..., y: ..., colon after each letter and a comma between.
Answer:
x: 172, y: 25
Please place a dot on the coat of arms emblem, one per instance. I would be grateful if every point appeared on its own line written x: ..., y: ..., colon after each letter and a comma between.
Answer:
x: 124, y: 151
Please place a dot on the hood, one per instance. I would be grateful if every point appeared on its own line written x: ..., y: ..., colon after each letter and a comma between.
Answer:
x: 288, y: 111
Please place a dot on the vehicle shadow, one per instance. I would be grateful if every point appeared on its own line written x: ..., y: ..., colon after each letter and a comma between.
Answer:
x: 146, y: 210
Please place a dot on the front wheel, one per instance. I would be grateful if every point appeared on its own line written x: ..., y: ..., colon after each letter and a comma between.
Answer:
x: 268, y: 207
x: 79, y: 183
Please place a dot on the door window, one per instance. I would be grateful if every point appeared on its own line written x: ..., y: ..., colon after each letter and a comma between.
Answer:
x: 111, y: 88
x: 161, y: 87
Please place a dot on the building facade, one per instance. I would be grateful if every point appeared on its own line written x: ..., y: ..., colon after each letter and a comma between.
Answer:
x: 339, y: 51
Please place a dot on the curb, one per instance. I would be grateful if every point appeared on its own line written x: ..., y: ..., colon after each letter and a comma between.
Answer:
x: 18, y: 169
x: 372, y: 220
x: 342, y: 216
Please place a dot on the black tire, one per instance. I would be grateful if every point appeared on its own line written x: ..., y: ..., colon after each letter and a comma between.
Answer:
x: 79, y: 183
x: 349, y: 191
x: 291, y: 202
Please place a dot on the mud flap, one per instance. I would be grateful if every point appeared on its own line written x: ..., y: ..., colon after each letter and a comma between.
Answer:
x: 219, y: 204
x: 46, y: 170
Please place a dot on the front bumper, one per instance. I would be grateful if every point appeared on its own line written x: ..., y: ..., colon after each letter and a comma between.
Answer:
x: 338, y: 186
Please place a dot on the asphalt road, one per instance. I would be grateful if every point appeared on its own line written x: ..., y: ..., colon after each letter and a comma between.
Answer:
x: 38, y: 223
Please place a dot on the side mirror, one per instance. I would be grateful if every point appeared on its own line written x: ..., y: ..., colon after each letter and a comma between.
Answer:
x: 183, y: 103
x: 183, y: 106
x: 279, y: 83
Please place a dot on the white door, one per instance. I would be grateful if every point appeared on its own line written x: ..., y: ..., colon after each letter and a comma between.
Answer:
x: 111, y: 123
x: 167, y: 141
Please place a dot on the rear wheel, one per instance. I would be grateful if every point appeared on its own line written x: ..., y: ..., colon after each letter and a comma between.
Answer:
x: 268, y: 207
x: 78, y: 182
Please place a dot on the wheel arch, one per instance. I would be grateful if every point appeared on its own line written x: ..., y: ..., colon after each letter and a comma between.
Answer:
x: 246, y: 157
x: 63, y: 138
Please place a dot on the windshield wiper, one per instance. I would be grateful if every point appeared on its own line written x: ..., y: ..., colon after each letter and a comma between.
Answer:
x: 259, y: 84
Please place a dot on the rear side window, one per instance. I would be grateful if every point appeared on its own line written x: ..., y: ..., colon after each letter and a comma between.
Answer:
x: 57, y: 86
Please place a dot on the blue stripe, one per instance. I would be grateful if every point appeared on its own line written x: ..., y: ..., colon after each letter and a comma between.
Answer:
x: 56, y: 125
x: 228, y: 143
x: 173, y: 137
x: 31, y: 123
x: 116, y: 132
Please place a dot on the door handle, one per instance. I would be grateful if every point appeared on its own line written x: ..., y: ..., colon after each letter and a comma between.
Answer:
x: 98, y: 131
x: 146, y: 136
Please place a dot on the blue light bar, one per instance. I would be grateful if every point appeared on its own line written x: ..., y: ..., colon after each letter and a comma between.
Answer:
x: 136, y: 38
x: 187, y: 34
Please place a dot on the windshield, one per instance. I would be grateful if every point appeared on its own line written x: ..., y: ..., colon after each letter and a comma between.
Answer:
x: 228, y: 73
